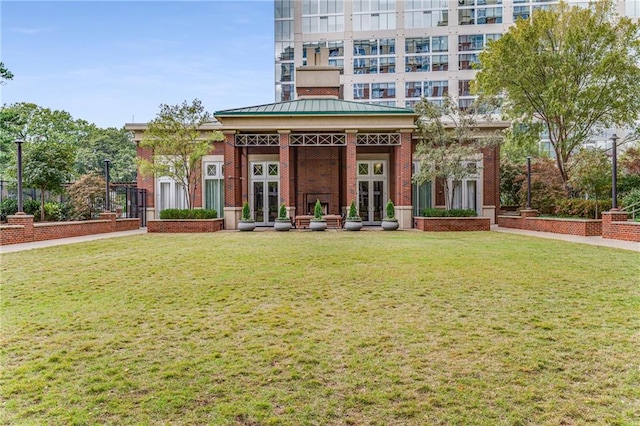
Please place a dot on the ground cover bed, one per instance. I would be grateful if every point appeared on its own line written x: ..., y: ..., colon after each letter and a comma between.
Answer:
x: 301, y: 328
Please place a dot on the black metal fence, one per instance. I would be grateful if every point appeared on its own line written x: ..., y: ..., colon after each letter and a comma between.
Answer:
x: 125, y: 199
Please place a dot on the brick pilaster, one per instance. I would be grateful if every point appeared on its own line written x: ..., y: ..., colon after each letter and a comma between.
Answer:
x: 403, y: 171
x: 111, y: 217
x: 286, y: 172
x: 232, y: 176
x: 352, y: 184
x: 25, y: 220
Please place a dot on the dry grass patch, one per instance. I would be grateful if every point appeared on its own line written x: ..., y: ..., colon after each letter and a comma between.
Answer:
x: 321, y: 328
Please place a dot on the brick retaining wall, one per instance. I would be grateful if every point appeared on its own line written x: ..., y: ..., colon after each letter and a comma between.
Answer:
x: 614, y: 225
x: 185, y: 225
x: 582, y: 227
x: 21, y: 229
x: 449, y: 224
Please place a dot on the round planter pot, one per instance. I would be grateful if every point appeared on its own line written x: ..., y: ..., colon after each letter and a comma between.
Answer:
x: 317, y: 225
x: 390, y: 225
x: 282, y: 225
x: 353, y: 225
x: 246, y: 225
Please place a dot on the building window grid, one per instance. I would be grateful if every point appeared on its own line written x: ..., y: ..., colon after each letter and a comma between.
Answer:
x: 480, y: 12
x: 374, y: 15
x: 424, y: 54
x: 322, y: 16
x: 426, y: 13
x: 472, y: 45
x: 336, y: 52
x: 374, y: 56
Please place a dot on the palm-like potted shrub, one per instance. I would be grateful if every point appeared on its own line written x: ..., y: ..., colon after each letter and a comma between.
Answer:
x: 354, y: 221
x: 246, y: 222
x: 282, y: 223
x: 317, y: 223
x: 390, y: 222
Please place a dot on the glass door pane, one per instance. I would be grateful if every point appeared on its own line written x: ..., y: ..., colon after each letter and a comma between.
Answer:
x: 471, y: 195
x: 273, y: 201
x: 258, y: 201
x: 363, y: 199
x: 378, y: 201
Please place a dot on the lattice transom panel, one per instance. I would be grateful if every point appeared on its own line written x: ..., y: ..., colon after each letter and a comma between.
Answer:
x: 378, y: 139
x: 318, y: 139
x: 258, y: 140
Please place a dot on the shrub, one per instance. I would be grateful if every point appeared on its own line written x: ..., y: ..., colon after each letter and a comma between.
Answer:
x: 632, y: 197
x: 246, y: 212
x: 391, y: 210
x: 52, y: 212
x: 353, y: 212
x: 282, y: 213
x: 429, y: 212
x: 581, y: 208
x: 8, y: 207
x: 32, y: 207
x: 188, y: 214
x: 317, y: 211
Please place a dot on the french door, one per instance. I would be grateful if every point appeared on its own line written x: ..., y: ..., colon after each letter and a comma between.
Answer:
x: 264, y: 191
x: 372, y: 190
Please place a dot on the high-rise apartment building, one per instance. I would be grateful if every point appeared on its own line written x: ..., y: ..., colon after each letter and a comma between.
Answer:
x: 393, y: 52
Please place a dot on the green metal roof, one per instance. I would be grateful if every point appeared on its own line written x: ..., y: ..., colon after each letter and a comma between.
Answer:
x: 316, y: 107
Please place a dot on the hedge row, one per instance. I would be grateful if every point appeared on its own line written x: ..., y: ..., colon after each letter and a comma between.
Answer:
x: 449, y: 213
x: 188, y: 214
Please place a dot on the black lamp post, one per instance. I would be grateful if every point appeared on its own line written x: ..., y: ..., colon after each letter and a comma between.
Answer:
x: 107, y: 207
x: 528, y: 183
x: 614, y: 172
x: 19, y: 143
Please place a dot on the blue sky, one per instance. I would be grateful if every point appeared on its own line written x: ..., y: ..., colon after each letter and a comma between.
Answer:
x: 113, y: 62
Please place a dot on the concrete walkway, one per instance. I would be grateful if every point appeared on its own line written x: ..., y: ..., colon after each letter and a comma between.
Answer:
x: 49, y: 243
x: 595, y: 241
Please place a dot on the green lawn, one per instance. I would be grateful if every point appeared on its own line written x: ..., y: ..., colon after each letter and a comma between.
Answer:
x: 296, y: 328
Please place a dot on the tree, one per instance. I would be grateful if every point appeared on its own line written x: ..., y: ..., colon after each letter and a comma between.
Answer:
x: 178, y: 145
x: 591, y: 173
x: 48, y: 165
x: 448, y: 140
x: 575, y: 70
x: 111, y: 144
x: 33, y: 123
x: 87, y: 195
x: 546, y: 186
x: 5, y: 74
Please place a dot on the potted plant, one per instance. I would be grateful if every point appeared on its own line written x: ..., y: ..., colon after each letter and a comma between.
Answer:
x: 282, y: 223
x: 390, y: 223
x: 354, y: 221
x: 246, y: 222
x: 317, y: 223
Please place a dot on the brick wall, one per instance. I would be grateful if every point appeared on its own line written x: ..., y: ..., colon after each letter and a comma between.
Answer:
x: 318, y: 173
x: 615, y: 225
x: 528, y: 221
x: 146, y: 181
x: 318, y: 91
x: 180, y: 226
x: 21, y: 229
x: 449, y: 224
